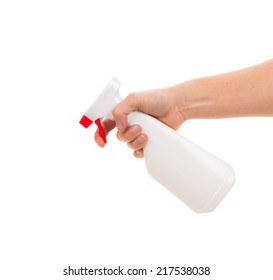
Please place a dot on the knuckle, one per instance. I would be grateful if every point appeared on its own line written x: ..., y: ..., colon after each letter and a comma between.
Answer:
x: 115, y: 112
x: 131, y: 98
x: 120, y: 136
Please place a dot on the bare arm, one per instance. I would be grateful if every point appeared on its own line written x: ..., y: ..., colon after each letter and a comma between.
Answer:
x: 246, y: 92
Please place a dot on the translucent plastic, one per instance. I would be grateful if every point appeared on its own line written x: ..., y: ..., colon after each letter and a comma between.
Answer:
x: 195, y: 176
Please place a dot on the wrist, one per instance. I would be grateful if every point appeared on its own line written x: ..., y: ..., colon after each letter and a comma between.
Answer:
x: 193, y: 99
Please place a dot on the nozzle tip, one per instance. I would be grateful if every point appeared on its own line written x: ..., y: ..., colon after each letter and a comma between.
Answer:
x: 85, y: 121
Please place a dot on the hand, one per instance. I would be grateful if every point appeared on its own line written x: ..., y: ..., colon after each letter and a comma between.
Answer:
x: 161, y: 104
x: 246, y: 92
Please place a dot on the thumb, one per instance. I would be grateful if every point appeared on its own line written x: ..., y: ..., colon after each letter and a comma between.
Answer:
x: 124, y: 108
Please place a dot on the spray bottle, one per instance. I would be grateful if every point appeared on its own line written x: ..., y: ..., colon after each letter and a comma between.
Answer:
x: 195, y: 176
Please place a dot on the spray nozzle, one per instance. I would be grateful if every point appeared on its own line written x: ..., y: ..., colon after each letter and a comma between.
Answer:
x: 102, y: 107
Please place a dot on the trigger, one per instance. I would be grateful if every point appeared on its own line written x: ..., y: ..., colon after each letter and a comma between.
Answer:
x: 101, y: 130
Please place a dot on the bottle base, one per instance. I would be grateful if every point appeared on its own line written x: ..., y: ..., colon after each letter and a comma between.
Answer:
x: 219, y: 195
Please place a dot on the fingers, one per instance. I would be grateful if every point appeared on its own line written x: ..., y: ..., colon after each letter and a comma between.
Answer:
x: 132, y: 135
x: 139, y: 153
x: 129, y: 134
x: 135, y: 139
x: 107, y: 126
x: 122, y: 110
x: 139, y: 142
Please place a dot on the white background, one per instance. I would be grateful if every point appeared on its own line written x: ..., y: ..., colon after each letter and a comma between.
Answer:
x: 63, y: 200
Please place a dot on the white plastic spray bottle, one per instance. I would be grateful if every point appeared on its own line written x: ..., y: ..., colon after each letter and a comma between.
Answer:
x: 195, y: 176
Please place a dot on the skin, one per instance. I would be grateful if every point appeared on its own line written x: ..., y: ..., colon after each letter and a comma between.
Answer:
x: 246, y: 92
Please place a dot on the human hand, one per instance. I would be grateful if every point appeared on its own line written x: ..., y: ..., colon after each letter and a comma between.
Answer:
x: 161, y: 104
x: 246, y: 92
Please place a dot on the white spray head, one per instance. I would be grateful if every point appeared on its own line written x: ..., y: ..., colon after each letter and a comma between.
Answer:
x: 102, y: 107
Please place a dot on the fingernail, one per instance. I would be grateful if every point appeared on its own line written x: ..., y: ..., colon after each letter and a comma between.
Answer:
x: 141, y: 139
x: 138, y: 153
x: 136, y: 129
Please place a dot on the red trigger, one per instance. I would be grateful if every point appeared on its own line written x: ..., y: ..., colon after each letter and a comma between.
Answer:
x: 101, y: 130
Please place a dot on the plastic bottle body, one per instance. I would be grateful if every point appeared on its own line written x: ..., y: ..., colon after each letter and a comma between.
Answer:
x: 195, y: 176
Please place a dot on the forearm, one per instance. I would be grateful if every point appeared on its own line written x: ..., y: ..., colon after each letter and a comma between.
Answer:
x: 247, y: 92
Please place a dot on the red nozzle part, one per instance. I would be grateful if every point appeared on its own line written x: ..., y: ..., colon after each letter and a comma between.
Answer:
x: 86, y: 122
x: 101, y: 130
